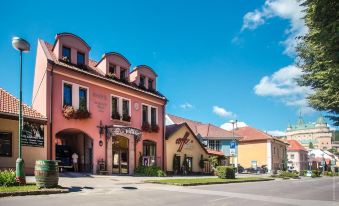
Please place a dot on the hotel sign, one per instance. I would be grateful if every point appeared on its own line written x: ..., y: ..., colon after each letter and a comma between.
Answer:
x: 32, y: 135
x: 120, y: 130
x: 183, y: 142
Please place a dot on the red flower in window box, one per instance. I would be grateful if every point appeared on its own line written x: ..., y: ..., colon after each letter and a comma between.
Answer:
x: 116, y: 115
x: 146, y: 127
x: 155, y: 128
x: 112, y: 76
x: 68, y: 111
x: 126, y: 118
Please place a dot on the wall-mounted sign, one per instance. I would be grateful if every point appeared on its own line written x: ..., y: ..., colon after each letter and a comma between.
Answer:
x: 136, y: 106
x: 32, y: 135
x: 118, y: 130
x: 182, y: 141
x: 232, y: 145
x: 100, y: 101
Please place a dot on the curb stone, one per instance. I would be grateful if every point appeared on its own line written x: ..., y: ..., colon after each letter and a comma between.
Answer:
x: 206, y: 183
x: 34, y: 192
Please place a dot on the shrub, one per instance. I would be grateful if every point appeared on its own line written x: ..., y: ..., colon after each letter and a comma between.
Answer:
x: 286, y: 174
x: 302, y: 172
x: 201, y: 162
x: 7, y: 178
x: 316, y: 173
x: 225, y: 172
x: 329, y: 173
x: 151, y: 171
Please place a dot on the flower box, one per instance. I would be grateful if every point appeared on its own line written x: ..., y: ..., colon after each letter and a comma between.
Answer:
x: 126, y: 118
x: 70, y: 113
x: 116, y: 115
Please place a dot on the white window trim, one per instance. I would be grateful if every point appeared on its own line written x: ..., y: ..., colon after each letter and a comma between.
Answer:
x: 120, y: 102
x: 75, y: 94
x: 149, y: 113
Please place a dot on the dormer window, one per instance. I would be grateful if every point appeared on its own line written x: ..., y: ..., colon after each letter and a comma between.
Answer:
x: 80, y: 58
x: 142, y: 81
x: 123, y: 74
x: 111, y: 69
x: 66, y: 54
x: 150, y: 84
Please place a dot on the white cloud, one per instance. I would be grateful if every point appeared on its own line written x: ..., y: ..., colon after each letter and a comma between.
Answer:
x: 276, y: 133
x: 290, y: 10
x: 222, y: 112
x: 283, y: 86
x: 186, y: 106
x: 228, y: 126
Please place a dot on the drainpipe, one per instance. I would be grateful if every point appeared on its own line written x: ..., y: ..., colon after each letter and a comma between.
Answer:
x: 51, y: 115
x: 163, y: 135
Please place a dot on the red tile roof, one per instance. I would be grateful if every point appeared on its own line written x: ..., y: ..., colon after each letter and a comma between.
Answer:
x: 10, y: 105
x: 207, y: 131
x: 294, y: 145
x: 248, y: 133
x: 92, y: 70
x: 215, y: 152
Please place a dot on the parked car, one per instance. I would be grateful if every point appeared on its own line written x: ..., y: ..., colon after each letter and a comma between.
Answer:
x: 64, y: 156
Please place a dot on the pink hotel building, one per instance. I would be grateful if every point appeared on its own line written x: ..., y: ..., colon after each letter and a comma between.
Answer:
x: 111, y: 117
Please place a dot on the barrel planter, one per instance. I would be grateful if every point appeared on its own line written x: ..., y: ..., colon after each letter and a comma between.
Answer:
x: 46, y: 173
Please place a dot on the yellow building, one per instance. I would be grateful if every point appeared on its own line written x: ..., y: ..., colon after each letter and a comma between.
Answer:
x: 257, y: 149
x: 34, y: 138
x: 181, y: 143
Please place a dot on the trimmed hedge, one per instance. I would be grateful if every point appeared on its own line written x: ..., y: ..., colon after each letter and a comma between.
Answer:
x: 151, y: 171
x: 225, y: 172
x: 7, y: 178
x: 316, y: 173
x: 286, y: 174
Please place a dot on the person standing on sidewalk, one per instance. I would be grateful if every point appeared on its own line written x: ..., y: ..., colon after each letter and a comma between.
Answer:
x: 75, y: 161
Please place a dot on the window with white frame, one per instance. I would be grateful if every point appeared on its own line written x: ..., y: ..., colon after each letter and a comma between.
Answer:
x: 75, y: 95
x: 144, y: 114
x: 149, y: 115
x: 115, y: 108
x: 214, y: 144
x: 120, y: 108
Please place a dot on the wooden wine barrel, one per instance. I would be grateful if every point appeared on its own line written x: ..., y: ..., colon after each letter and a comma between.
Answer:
x: 46, y: 173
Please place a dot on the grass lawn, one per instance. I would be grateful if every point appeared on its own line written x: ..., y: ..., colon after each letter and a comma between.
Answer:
x: 206, y: 181
x: 24, y: 188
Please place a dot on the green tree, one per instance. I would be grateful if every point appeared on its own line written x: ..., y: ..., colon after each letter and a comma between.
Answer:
x: 310, y: 145
x: 318, y: 53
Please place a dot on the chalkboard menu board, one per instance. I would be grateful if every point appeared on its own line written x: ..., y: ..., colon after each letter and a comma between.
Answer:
x: 32, y: 135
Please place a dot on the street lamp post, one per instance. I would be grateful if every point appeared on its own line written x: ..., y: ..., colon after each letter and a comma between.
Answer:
x: 22, y: 46
x: 233, y: 122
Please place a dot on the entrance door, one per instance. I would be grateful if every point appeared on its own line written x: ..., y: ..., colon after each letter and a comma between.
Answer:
x: 120, y: 155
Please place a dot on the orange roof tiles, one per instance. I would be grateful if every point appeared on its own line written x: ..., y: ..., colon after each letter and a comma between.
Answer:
x: 248, y: 133
x: 215, y: 152
x: 208, y: 131
x: 294, y: 145
x: 10, y: 105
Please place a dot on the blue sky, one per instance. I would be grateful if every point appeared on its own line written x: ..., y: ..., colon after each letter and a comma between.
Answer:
x: 209, y: 55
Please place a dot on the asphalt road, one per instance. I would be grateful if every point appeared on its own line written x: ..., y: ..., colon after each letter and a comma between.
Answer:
x: 319, y: 191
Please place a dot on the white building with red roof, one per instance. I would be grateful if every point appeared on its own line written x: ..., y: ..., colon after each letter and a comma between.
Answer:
x: 297, y: 156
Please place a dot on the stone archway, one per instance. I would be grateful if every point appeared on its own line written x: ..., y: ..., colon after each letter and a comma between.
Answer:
x: 115, y: 133
x: 69, y: 141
